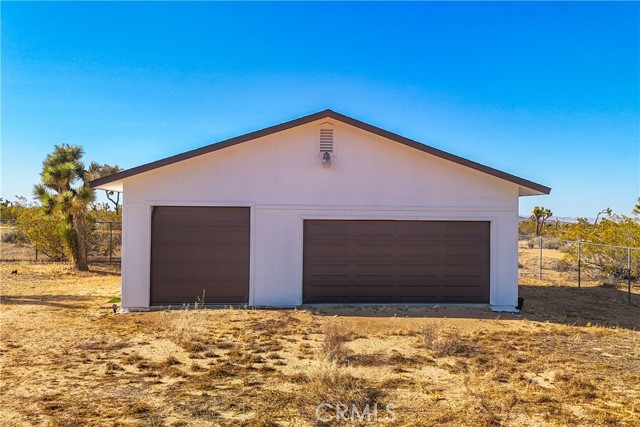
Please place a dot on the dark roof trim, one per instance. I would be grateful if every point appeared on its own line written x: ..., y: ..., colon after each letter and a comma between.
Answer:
x: 308, y: 119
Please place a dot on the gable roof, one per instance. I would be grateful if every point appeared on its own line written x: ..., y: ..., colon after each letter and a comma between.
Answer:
x: 534, y: 188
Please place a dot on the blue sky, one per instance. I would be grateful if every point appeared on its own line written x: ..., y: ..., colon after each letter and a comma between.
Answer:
x: 546, y: 91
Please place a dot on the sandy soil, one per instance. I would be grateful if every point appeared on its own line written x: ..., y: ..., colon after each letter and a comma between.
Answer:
x: 571, y: 357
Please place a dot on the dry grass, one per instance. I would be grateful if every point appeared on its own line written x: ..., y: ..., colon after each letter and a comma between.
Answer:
x: 572, y: 357
x: 442, y: 342
x: 334, y: 343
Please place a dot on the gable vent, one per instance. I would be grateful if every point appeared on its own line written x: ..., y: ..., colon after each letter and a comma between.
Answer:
x: 326, y: 143
x: 326, y: 140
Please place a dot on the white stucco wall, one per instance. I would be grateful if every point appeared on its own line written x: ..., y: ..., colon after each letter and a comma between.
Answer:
x: 282, y: 179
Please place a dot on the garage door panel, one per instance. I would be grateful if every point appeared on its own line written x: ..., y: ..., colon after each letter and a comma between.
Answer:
x: 329, y: 270
x: 470, y: 249
x: 431, y: 250
x: 188, y: 215
x: 364, y: 280
x: 463, y: 270
x: 187, y: 293
x: 199, y: 272
x: 416, y: 259
x: 408, y: 291
x: 329, y: 229
x: 206, y: 254
x: 367, y: 229
x: 373, y: 269
x: 419, y: 231
x: 466, y: 229
x: 328, y: 251
x: 350, y: 292
x: 196, y: 248
x: 370, y: 249
x: 409, y: 270
x: 396, y: 261
x: 200, y: 235
x: 376, y: 259
x: 453, y: 264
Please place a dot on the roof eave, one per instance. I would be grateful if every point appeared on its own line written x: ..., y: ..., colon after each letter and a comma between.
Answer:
x: 537, y: 189
x: 99, y: 182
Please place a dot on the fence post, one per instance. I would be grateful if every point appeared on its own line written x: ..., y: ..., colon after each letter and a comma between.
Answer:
x: 36, y: 253
x: 110, y: 241
x: 540, y: 266
x: 579, y: 262
x: 629, y: 274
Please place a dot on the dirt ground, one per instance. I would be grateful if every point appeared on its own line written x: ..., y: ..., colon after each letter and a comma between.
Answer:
x: 571, y: 357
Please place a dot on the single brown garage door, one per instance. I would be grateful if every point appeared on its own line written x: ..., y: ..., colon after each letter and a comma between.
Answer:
x: 396, y: 261
x: 196, y: 249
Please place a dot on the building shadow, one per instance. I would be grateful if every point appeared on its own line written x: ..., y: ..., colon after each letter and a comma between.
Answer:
x: 593, y: 306
x: 59, y: 301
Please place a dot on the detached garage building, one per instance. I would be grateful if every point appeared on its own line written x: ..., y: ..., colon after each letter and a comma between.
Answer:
x: 321, y: 209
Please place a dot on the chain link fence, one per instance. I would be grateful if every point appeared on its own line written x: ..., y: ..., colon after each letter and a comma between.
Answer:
x: 105, y: 242
x: 552, y: 261
x: 578, y: 263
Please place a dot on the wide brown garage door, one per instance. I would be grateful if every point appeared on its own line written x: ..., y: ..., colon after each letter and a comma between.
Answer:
x: 396, y: 261
x: 196, y: 249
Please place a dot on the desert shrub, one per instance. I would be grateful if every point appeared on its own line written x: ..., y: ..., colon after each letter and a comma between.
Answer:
x: 101, y: 238
x: 526, y: 227
x: 113, y: 367
x: 333, y: 347
x: 440, y: 342
x: 565, y: 265
x: 188, y: 330
x: 9, y: 210
x: 614, y: 230
x: 328, y: 382
x: 551, y: 244
x: 46, y: 232
x: 14, y: 237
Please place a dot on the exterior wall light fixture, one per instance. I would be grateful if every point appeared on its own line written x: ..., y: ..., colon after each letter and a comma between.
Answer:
x: 326, y: 160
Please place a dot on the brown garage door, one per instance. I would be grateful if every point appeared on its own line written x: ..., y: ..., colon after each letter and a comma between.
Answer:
x: 199, y: 248
x: 396, y: 261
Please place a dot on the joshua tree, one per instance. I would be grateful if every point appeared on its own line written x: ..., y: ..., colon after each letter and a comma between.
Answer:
x: 606, y: 211
x: 539, y: 216
x: 96, y: 170
x: 64, y: 189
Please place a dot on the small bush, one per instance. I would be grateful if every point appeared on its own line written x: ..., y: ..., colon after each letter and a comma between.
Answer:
x: 171, y: 361
x: 14, y: 237
x: 330, y: 382
x: 112, y: 367
x: 195, y: 367
x: 139, y: 407
x: 223, y: 370
x: 333, y: 347
x: 551, y: 244
x: 189, y: 331
x: 44, y: 231
x: 441, y: 343
x: 133, y: 358
x: 565, y: 265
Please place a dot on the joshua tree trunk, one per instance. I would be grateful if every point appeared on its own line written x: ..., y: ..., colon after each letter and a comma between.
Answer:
x: 79, y: 251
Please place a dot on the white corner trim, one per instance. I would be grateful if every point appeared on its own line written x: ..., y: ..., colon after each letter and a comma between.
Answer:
x: 126, y: 310
x: 505, y: 308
